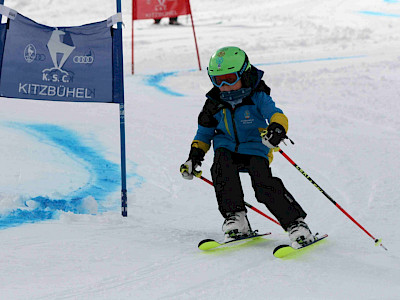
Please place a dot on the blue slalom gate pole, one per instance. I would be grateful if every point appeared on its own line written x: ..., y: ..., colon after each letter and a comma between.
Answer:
x: 1, y: 2
x: 124, y: 197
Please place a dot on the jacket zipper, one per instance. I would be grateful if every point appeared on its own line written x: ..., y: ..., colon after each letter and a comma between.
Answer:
x: 234, y: 130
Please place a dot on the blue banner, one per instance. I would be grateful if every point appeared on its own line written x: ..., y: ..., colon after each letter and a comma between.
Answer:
x: 60, y: 63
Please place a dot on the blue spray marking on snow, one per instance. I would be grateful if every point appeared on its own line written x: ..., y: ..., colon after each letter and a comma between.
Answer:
x: 104, y: 178
x: 382, y: 14
x: 379, y: 14
x: 157, y: 79
x: 105, y: 175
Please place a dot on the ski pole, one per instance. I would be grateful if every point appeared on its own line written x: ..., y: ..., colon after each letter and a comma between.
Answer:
x: 198, y: 175
x: 377, y: 241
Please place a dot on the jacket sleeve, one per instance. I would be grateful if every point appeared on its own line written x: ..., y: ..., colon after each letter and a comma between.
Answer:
x: 271, y: 112
x: 280, y: 119
x: 206, y: 126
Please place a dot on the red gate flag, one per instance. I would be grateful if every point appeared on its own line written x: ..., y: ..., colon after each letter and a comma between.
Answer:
x: 157, y: 9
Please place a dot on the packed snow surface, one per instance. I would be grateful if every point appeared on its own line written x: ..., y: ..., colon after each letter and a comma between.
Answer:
x: 333, y: 67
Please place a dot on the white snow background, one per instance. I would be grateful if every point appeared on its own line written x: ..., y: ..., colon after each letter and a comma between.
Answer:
x: 333, y: 67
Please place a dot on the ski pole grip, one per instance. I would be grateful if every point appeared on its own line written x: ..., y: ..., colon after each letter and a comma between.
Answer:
x: 197, y: 173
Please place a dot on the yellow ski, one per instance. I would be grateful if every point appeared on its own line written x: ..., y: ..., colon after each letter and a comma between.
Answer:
x: 283, y: 251
x: 209, y: 244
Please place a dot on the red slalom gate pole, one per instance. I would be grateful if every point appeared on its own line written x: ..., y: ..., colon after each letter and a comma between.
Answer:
x: 194, y: 33
x: 198, y: 175
x: 377, y: 241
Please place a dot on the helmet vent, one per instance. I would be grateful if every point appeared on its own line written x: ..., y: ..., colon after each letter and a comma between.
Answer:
x: 231, y: 68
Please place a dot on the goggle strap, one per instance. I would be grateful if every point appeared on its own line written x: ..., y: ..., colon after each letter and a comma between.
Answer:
x: 244, y: 67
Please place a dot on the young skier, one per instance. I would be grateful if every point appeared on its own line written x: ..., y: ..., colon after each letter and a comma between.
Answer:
x: 234, y: 117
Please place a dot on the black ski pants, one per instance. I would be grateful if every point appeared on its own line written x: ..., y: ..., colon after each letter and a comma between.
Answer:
x: 268, y: 190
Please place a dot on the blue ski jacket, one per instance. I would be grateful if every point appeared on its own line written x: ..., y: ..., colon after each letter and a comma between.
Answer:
x: 238, y: 129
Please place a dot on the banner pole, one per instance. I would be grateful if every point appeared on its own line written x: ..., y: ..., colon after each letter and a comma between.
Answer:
x: 1, y: 2
x: 124, y: 197
x: 194, y: 34
x: 133, y: 21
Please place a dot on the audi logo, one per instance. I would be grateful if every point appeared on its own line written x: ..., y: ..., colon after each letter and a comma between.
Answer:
x: 40, y: 57
x: 83, y: 59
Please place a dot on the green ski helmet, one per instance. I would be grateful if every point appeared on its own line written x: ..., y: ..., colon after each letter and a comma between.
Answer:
x: 227, y: 60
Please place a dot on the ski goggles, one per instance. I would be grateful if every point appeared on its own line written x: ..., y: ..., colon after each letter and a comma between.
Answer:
x: 228, y: 79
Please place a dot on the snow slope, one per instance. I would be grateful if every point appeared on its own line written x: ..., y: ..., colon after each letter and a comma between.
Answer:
x: 333, y: 67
